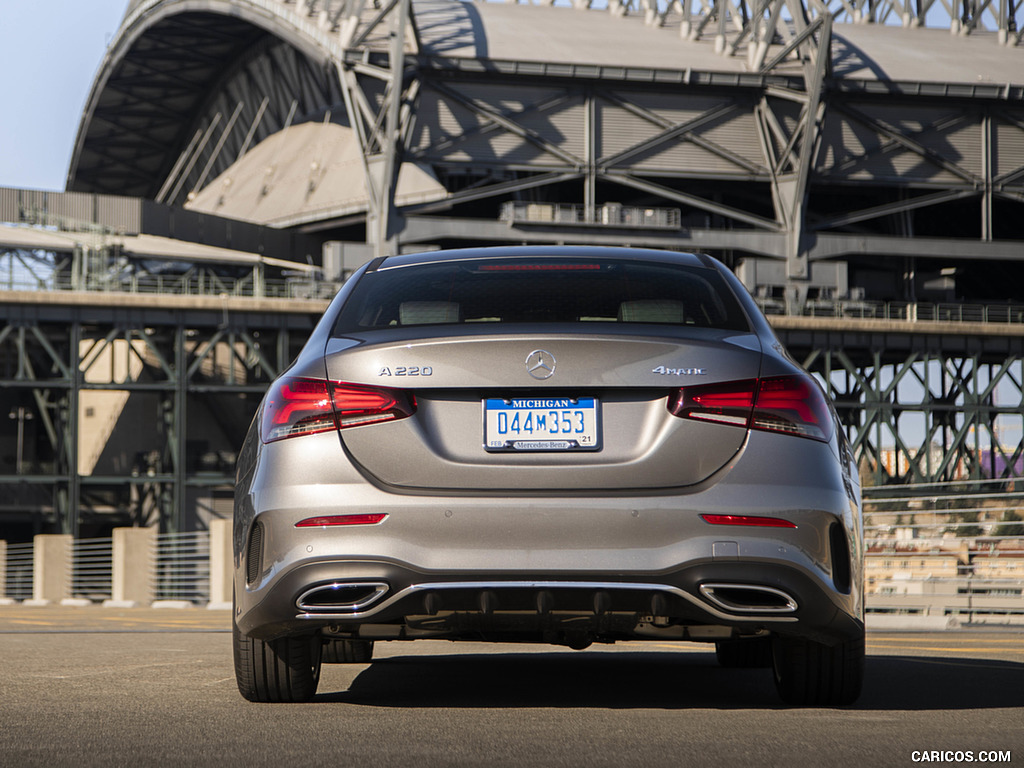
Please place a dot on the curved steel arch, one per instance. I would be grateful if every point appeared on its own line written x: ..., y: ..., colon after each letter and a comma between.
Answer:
x: 169, y: 62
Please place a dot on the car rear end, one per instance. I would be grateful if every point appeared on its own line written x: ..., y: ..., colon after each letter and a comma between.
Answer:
x: 556, y: 445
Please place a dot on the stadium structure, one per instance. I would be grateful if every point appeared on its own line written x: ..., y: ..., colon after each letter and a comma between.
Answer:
x: 860, y: 165
x: 827, y: 156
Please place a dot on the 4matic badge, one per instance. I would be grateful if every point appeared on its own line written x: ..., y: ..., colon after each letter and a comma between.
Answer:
x: 680, y: 371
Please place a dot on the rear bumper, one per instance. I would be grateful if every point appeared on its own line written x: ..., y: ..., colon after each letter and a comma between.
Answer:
x: 379, y: 600
x: 520, y: 563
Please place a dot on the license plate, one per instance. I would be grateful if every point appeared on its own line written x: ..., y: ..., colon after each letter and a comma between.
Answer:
x: 542, y: 424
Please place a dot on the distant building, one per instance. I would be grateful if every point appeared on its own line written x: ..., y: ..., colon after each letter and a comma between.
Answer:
x: 977, y: 584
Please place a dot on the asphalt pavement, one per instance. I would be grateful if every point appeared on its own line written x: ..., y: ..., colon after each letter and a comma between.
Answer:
x: 103, y: 687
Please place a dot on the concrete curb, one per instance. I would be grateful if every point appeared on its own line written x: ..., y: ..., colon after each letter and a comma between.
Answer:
x: 883, y: 621
x: 175, y: 604
x: 75, y: 602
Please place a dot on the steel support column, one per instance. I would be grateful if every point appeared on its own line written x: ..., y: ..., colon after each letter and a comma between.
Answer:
x: 379, y: 126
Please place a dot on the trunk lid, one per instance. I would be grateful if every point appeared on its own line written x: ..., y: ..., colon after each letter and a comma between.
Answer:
x: 641, y: 445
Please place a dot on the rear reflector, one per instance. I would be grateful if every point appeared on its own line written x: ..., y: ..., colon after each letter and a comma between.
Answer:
x: 763, y: 522
x: 330, y: 520
x: 793, y: 405
x: 296, y: 406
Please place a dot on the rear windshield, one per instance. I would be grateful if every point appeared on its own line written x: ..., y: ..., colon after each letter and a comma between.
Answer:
x: 541, y: 291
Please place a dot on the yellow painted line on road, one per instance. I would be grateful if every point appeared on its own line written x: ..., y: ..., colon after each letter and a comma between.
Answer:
x: 680, y: 645
x: 990, y: 644
x: 158, y: 620
x: 1014, y: 643
x: 948, y: 649
x: 35, y: 623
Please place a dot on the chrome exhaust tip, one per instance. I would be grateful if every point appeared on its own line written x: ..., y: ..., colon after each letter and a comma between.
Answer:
x: 748, y: 598
x: 341, y: 596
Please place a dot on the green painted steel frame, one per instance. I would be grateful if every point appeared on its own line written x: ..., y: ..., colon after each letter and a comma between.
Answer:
x: 923, y: 407
x: 52, y: 356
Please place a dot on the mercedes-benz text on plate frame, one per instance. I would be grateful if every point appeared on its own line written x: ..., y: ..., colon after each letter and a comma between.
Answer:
x: 560, y: 445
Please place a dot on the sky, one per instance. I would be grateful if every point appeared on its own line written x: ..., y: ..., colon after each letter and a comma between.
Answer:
x: 51, y: 50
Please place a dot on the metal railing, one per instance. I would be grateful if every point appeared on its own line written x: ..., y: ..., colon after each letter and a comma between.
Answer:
x: 18, y: 571
x: 608, y: 215
x: 172, y: 285
x: 183, y: 566
x: 92, y: 569
x: 1006, y: 314
x: 16, y: 276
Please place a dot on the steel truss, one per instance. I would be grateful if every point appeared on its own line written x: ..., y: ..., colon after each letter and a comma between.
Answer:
x: 385, y: 135
x: 739, y: 22
x: 920, y: 405
x: 272, y: 87
x: 788, y: 161
x: 80, y: 381
x: 802, y: 132
x: 924, y: 406
x: 765, y: 162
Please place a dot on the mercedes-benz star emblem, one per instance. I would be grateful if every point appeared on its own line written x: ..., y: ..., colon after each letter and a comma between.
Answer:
x: 540, y: 364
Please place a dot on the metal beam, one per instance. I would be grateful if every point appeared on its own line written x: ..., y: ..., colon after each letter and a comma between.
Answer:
x: 888, y: 209
x: 628, y: 179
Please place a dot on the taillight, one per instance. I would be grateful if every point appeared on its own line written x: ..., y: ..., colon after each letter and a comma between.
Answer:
x: 296, y: 407
x: 306, y: 406
x: 793, y: 405
x: 355, y: 405
x: 728, y: 403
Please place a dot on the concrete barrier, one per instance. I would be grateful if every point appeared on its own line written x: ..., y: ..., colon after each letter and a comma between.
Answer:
x: 51, y: 568
x: 220, y: 564
x: 133, y: 567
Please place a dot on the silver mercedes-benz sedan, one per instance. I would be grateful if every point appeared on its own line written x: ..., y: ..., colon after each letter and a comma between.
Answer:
x: 557, y: 445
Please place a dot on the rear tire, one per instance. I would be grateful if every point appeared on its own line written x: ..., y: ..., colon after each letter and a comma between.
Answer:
x: 752, y: 653
x: 809, y: 673
x: 282, y: 670
x: 340, y: 651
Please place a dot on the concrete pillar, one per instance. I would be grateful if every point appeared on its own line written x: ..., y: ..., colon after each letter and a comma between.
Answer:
x: 134, y: 567
x: 220, y: 563
x: 3, y: 569
x: 51, y: 568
